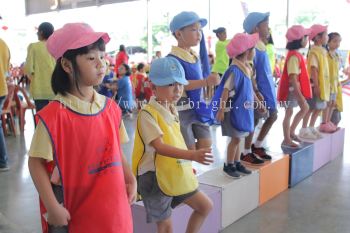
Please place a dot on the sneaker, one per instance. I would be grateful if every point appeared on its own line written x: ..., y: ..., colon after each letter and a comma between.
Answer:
x: 261, y: 152
x: 326, y: 128
x: 4, y: 168
x: 242, y: 169
x: 230, y: 171
x: 305, y: 133
x: 251, y: 159
x: 315, y: 132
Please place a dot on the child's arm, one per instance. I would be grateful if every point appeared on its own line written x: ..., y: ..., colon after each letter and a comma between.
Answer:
x: 130, y: 181
x: 314, y: 77
x: 221, y: 112
x: 211, y: 80
x: 57, y: 214
x: 202, y: 156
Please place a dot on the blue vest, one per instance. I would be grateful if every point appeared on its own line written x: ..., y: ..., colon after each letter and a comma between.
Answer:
x: 264, y: 79
x: 242, y: 103
x: 193, y: 71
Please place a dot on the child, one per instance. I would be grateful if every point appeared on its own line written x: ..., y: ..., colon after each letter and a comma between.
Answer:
x: 319, y: 76
x: 221, y: 58
x: 335, y: 103
x: 161, y: 160
x: 92, y: 186
x: 264, y: 88
x: 294, y: 87
x: 235, y: 114
x: 193, y: 112
x: 125, y: 98
x: 108, y: 86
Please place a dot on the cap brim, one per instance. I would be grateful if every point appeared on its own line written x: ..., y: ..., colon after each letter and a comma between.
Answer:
x: 90, y: 39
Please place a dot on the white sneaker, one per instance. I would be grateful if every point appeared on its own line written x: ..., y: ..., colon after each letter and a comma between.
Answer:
x: 305, y: 133
x: 315, y: 132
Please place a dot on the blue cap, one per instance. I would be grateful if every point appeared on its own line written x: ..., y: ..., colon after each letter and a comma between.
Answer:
x: 253, y: 19
x: 184, y: 19
x: 167, y: 70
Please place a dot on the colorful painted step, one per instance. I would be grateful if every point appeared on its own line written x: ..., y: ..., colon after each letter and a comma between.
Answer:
x: 322, y: 151
x: 337, y: 143
x: 239, y: 196
x: 273, y: 177
x: 301, y: 162
x: 181, y: 214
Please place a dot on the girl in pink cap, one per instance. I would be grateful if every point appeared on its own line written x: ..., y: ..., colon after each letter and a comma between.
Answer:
x: 294, y: 87
x: 76, y: 160
x: 236, y: 98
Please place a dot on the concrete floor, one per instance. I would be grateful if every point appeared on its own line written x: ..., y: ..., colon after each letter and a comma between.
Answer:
x: 319, y: 204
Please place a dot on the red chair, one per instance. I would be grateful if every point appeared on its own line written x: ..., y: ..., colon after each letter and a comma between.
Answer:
x: 7, y: 114
x: 22, y: 105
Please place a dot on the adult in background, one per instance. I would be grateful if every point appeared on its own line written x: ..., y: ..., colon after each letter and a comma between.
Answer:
x: 121, y: 58
x: 4, y: 67
x: 39, y: 67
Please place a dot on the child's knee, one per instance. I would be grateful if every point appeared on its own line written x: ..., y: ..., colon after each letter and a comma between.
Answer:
x: 164, y: 226
x: 205, y: 207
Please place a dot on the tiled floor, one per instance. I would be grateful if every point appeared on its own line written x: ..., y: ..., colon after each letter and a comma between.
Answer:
x: 319, y: 204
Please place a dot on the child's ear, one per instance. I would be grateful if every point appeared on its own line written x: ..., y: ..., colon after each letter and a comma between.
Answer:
x: 177, y: 34
x: 66, y: 65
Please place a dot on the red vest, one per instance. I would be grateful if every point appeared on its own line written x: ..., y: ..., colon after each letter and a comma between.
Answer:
x: 303, y: 78
x: 88, y: 155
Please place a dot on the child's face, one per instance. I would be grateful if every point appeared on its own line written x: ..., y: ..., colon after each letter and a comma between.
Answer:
x: 169, y: 94
x: 222, y: 36
x: 191, y: 35
x: 324, y: 38
x: 251, y: 54
x: 263, y: 29
x: 121, y: 70
x: 334, y: 43
x: 92, y: 67
x: 304, y: 41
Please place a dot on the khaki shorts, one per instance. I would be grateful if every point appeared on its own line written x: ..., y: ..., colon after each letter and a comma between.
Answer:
x: 228, y: 130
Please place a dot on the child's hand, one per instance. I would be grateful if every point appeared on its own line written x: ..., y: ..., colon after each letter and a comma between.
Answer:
x: 203, y: 156
x: 260, y: 96
x: 213, y: 79
x: 220, y: 114
x: 59, y: 216
x: 261, y: 108
x: 131, y: 191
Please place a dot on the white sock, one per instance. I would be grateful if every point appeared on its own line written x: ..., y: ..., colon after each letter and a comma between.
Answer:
x: 258, y: 144
x: 247, y: 151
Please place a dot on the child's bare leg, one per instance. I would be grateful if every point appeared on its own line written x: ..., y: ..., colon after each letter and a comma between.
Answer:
x: 304, y: 109
x: 306, y: 118
x: 201, y: 205
x: 331, y: 108
x: 286, y: 126
x: 314, y: 117
x: 165, y: 226
x: 232, y: 150
x: 325, y: 113
x: 238, y: 152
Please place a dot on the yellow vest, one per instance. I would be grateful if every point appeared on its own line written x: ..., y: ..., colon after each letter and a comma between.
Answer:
x: 339, y: 99
x: 174, y: 176
x: 323, y: 71
x: 333, y: 64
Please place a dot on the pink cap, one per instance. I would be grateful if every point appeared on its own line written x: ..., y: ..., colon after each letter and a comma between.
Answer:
x: 316, y: 29
x: 240, y: 43
x: 297, y: 32
x: 73, y: 36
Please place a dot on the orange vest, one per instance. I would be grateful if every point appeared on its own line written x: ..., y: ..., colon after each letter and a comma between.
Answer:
x: 87, y: 153
x: 303, y: 78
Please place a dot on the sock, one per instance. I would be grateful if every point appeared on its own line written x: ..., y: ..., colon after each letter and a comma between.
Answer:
x: 258, y: 144
x: 247, y: 151
x: 237, y: 162
x: 228, y: 163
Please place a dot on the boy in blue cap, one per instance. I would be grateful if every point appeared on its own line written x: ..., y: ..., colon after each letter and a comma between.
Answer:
x: 264, y: 87
x: 193, y: 112
x: 161, y: 160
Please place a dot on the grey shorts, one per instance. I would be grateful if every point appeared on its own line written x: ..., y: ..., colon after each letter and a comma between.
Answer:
x: 316, y: 103
x: 336, y: 117
x: 333, y: 97
x: 191, y: 128
x: 258, y: 115
x: 157, y: 205
x: 228, y: 130
x: 291, y: 102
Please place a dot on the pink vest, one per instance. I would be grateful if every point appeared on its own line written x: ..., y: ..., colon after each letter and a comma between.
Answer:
x: 88, y: 155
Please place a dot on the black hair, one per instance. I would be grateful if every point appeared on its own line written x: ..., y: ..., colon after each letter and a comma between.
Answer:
x: 46, y: 29
x: 140, y: 66
x: 294, y: 45
x: 127, y: 69
x: 332, y: 35
x: 60, y: 81
x: 121, y: 47
x: 270, y: 39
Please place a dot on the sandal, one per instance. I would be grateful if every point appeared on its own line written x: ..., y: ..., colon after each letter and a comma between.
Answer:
x: 295, y: 138
x: 291, y: 145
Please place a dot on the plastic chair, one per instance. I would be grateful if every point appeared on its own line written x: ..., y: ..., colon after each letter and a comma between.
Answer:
x: 7, y: 114
x: 22, y: 105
